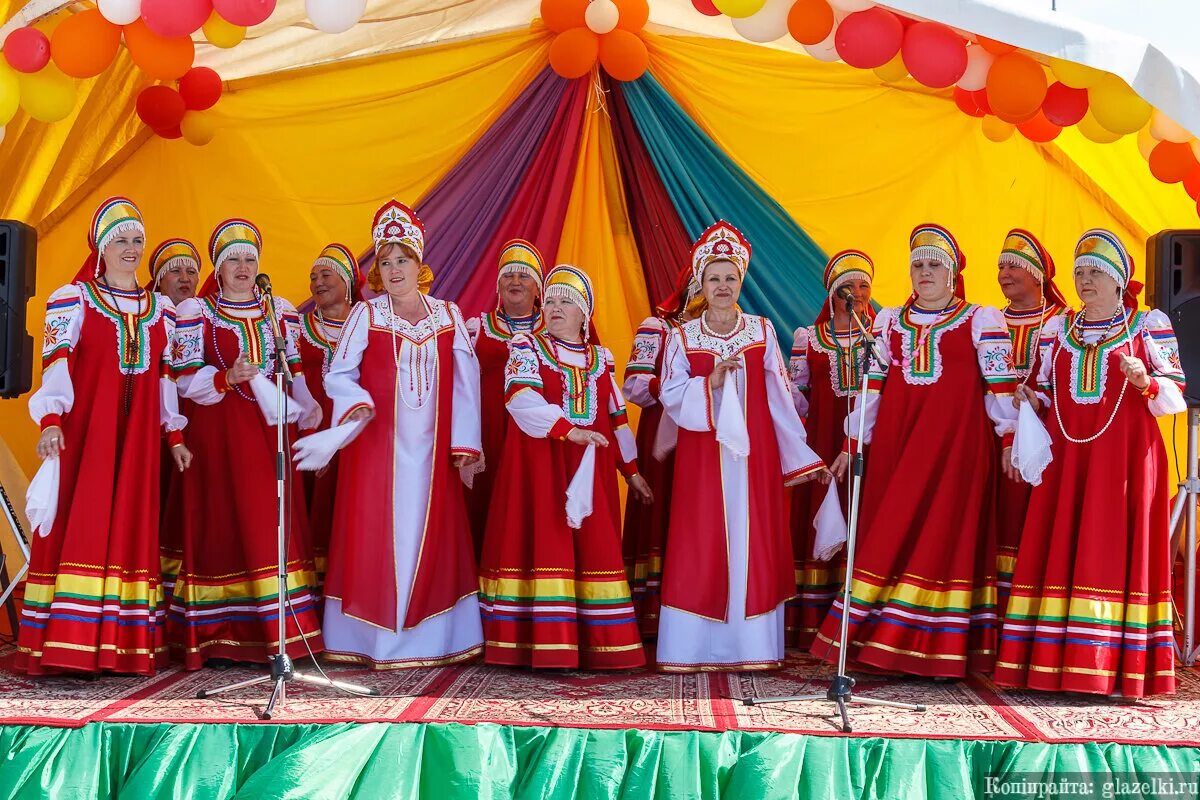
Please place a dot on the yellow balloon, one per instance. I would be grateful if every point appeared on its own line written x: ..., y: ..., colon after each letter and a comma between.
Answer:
x: 10, y: 93
x: 221, y: 33
x: 47, y: 95
x: 892, y: 71
x: 1077, y: 76
x: 1146, y: 142
x: 1117, y: 107
x: 739, y: 8
x: 1093, y: 130
x: 198, y: 128
x: 997, y: 129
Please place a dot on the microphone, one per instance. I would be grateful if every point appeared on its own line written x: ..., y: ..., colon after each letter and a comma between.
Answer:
x: 263, y: 281
x: 843, y: 292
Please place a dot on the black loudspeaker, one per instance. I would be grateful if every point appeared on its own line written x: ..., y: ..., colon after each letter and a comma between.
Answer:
x: 18, y: 262
x: 1173, y: 287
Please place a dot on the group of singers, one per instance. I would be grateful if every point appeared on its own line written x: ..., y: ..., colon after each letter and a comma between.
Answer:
x: 472, y: 504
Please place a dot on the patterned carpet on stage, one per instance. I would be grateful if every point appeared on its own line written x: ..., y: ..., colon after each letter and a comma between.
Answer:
x: 971, y: 709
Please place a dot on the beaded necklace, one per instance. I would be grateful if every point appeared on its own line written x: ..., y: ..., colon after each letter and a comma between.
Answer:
x: 419, y: 364
x: 1124, y: 384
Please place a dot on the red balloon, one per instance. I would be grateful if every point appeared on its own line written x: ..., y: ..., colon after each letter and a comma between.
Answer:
x: 200, y: 88
x: 1170, y: 162
x: 171, y: 18
x: 244, y: 12
x: 27, y: 50
x: 706, y: 8
x: 160, y: 107
x: 1191, y: 183
x: 981, y: 101
x: 173, y: 132
x: 1039, y: 129
x: 1063, y: 105
x: 869, y: 39
x: 934, y: 54
x: 966, y: 103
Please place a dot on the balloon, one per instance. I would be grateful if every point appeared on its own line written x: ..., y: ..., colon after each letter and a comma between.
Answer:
x: 197, y: 128
x: 171, y: 18
x: 1191, y: 183
x: 220, y: 33
x: 244, y: 12
x: 1146, y: 142
x: 869, y: 39
x: 1063, y: 105
x: 160, y: 106
x: 200, y: 88
x: 739, y: 8
x: 634, y: 14
x: 769, y: 24
x: 27, y: 50
x: 1, y: 134
x: 623, y: 55
x: 85, y: 44
x: 893, y: 71
x: 1093, y: 130
x: 824, y: 50
x: 979, y: 61
x: 48, y: 95
x: 997, y: 129
x: 574, y: 52
x: 161, y: 59
x: 1170, y: 162
x: 934, y: 54
x: 1016, y: 86
x: 1116, y: 106
x: 1077, y: 76
x: 706, y: 8
x: 1166, y: 129
x: 851, y: 6
x: 10, y: 93
x: 810, y: 21
x: 994, y: 47
x: 980, y: 98
x: 329, y: 16
x: 1039, y: 129
x: 173, y: 132
x: 120, y: 12
x: 1195, y: 144
x: 562, y: 15
x: 601, y: 16
x: 966, y: 102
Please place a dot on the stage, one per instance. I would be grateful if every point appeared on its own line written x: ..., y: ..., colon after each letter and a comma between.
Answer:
x: 477, y: 730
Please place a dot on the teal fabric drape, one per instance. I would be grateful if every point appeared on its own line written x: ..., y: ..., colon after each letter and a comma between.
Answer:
x: 380, y: 761
x: 784, y: 283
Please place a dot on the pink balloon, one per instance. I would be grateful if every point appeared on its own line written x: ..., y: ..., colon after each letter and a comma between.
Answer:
x: 869, y: 39
x: 244, y: 12
x: 934, y: 54
x: 172, y: 18
x: 1063, y: 105
x: 27, y: 50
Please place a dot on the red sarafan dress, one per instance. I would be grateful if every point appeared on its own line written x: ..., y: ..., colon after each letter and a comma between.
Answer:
x: 491, y: 333
x: 1090, y: 609
x: 646, y: 526
x: 92, y: 597
x: 553, y: 595
x: 224, y: 604
x: 825, y: 368
x: 1025, y: 329
x: 924, y: 586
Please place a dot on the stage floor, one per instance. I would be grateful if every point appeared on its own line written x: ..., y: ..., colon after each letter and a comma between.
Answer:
x: 970, y: 709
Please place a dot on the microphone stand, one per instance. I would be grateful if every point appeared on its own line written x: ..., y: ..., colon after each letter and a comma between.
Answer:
x: 280, y: 663
x: 841, y: 686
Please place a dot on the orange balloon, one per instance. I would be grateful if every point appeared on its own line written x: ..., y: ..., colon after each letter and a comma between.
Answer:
x: 1039, y: 129
x: 160, y: 58
x: 1171, y: 162
x: 85, y: 44
x: 634, y: 14
x: 562, y: 15
x: 810, y: 21
x: 1017, y: 119
x: 994, y: 47
x: 574, y: 52
x: 1016, y: 86
x: 623, y: 55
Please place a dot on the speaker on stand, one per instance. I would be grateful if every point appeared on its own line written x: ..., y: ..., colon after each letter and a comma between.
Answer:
x: 18, y: 262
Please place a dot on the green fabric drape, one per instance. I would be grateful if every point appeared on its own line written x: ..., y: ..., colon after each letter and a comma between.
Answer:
x: 448, y: 761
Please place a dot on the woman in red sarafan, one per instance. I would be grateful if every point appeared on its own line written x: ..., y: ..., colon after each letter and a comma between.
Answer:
x: 1090, y: 609
x: 924, y: 585
x: 224, y: 603
x: 92, y: 598
x: 554, y: 593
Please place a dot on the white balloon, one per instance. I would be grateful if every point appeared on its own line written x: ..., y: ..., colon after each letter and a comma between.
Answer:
x: 335, y: 16
x: 824, y: 50
x: 979, y: 61
x: 850, y: 6
x: 1195, y: 145
x: 602, y: 16
x: 1166, y: 129
x: 121, y: 12
x: 767, y: 24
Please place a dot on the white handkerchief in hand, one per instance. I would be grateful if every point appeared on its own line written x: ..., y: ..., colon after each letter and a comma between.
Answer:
x: 665, y: 438
x: 468, y: 473
x: 268, y: 401
x: 41, y: 498
x: 1031, y: 446
x: 315, y: 451
x: 830, y: 525
x: 579, y: 492
x: 731, y: 420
